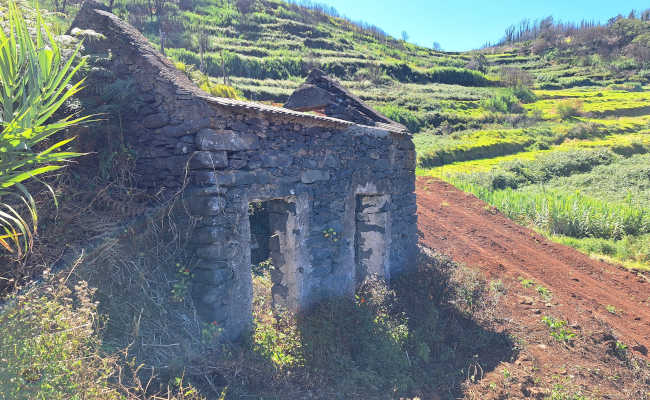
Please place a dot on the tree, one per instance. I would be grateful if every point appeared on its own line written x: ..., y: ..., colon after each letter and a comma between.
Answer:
x: 203, y: 40
x: 436, y: 46
x: 515, y: 77
x: 645, y: 15
x: 478, y: 63
x: 162, y: 10
x: 405, y: 36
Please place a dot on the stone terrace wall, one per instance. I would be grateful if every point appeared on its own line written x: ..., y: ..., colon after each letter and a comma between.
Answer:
x: 322, y: 173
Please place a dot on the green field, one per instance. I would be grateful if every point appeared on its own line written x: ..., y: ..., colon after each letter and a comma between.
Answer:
x: 584, y: 181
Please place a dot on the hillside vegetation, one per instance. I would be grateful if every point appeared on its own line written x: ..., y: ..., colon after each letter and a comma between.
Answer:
x: 551, y: 126
x: 552, y: 101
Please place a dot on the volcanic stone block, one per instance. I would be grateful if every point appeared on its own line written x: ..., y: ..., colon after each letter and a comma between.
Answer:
x: 209, y: 160
x: 206, y: 206
x: 154, y: 121
x: 210, y: 139
x: 314, y: 175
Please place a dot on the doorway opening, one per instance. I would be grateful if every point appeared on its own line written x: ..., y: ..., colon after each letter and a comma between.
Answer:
x: 274, y: 251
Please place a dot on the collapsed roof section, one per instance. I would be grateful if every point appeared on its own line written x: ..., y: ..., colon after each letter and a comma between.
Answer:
x: 323, y: 94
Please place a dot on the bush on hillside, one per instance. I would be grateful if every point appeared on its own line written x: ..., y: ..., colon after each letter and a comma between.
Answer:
x: 524, y: 94
x: 515, y: 77
x: 519, y: 173
x: 586, y: 131
x: 373, y: 73
x: 568, y: 109
x: 502, y: 102
x: 51, y: 348
x: 478, y: 63
x: 403, y: 72
x: 218, y: 90
x: 456, y: 76
x: 402, y: 115
x: 237, y: 65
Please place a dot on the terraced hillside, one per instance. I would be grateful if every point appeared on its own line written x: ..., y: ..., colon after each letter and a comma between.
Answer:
x: 543, y: 156
x: 584, y: 180
x: 546, y: 156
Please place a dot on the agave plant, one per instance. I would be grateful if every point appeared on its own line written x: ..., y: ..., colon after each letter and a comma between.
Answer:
x: 35, y: 81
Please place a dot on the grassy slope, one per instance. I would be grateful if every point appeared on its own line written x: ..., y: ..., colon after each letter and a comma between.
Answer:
x: 267, y: 52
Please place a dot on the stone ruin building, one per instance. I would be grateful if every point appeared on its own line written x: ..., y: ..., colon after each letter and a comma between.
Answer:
x: 343, y: 168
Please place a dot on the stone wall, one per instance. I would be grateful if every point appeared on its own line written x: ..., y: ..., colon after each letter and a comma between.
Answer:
x: 321, y: 174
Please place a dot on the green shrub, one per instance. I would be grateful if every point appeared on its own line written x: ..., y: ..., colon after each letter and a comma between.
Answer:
x: 632, y: 249
x: 505, y: 101
x: 219, y: 90
x: 388, y: 339
x: 457, y: 76
x: 403, y: 116
x: 558, y: 329
x: 559, y: 163
x: 585, y: 131
x: 568, y: 109
x: 237, y: 65
x: 524, y: 94
x: 569, y: 82
x: 403, y: 72
x: 36, y: 81
x: 49, y: 347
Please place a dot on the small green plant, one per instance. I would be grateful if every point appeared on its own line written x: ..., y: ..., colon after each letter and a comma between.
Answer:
x: 183, y: 390
x: 558, y: 329
x: 331, y: 234
x: 497, y: 286
x: 180, y: 288
x: 255, y: 207
x: 527, y: 283
x: 611, y: 309
x: 263, y: 267
x: 211, y: 332
x: 474, y: 371
x: 559, y: 392
x: 544, y: 292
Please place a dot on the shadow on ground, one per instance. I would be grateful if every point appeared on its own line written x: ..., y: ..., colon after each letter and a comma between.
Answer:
x: 426, y: 336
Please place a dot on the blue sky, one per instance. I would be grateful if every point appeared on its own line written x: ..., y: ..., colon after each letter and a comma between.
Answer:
x: 464, y: 24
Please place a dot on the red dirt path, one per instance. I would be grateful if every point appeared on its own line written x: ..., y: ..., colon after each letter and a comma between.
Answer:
x: 469, y: 231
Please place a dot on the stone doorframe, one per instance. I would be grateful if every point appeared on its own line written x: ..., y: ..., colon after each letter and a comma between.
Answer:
x: 289, y: 221
x: 375, y: 243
